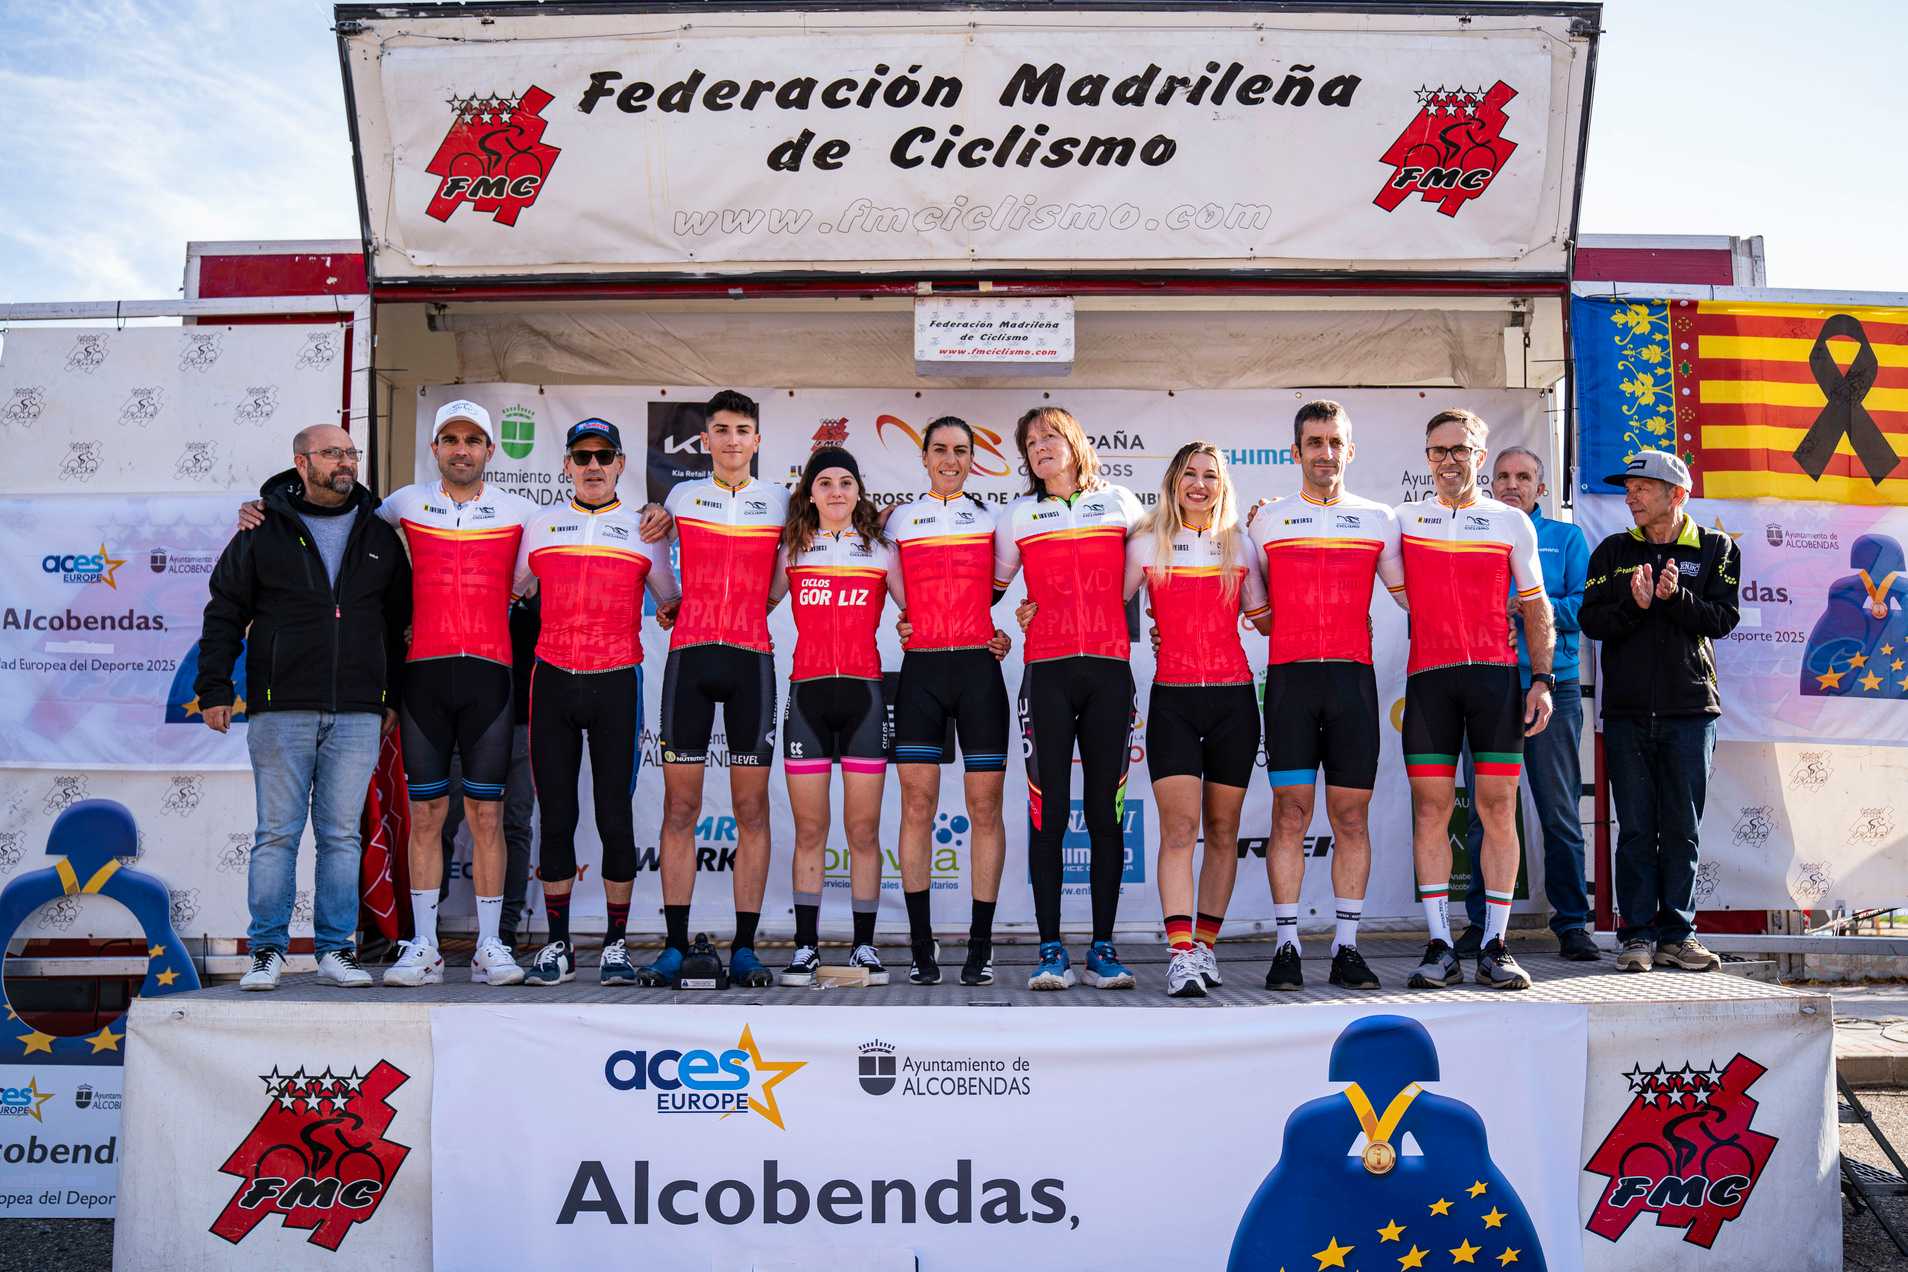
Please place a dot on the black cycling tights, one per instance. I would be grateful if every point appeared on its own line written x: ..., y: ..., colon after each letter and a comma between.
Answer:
x: 1088, y: 701
x: 564, y: 706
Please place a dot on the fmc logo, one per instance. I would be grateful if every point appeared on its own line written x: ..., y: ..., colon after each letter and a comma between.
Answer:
x: 494, y: 157
x: 735, y: 1080
x: 1452, y: 149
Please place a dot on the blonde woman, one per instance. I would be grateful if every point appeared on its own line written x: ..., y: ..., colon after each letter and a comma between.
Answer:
x: 1070, y: 533
x: 1202, y: 727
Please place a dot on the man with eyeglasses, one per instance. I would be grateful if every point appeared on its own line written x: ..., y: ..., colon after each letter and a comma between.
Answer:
x: 1463, y: 553
x: 590, y: 566
x: 318, y: 597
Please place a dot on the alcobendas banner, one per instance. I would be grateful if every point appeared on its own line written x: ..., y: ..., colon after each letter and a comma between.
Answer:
x: 981, y: 1138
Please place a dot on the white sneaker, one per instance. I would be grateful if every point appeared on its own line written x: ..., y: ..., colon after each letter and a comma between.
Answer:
x: 340, y: 967
x: 1208, y: 965
x: 418, y: 963
x: 1184, y: 978
x: 493, y: 964
x: 267, y: 966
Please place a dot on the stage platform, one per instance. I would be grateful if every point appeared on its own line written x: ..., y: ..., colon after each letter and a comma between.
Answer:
x: 1641, y: 1121
x: 1242, y: 965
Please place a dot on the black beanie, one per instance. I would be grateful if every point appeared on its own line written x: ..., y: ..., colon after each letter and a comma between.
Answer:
x: 831, y: 457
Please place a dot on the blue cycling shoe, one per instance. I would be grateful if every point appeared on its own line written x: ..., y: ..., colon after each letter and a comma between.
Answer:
x: 747, y: 971
x: 660, y: 974
x: 1055, y: 970
x: 1104, y: 969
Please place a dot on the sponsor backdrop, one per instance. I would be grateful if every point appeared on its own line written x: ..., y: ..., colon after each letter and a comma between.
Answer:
x: 252, y: 1144
x: 1821, y: 653
x: 1017, y: 138
x: 59, y: 1140
x: 99, y: 630
x: 162, y: 408
x: 195, y: 832
x: 706, y: 1138
x: 1135, y: 434
x: 1707, y: 1139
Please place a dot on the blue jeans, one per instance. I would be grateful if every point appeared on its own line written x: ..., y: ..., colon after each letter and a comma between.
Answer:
x: 1659, y: 774
x: 317, y: 763
x: 1554, y: 773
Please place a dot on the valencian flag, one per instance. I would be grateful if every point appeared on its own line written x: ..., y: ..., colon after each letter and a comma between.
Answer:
x: 1762, y: 400
x: 1325, y: 1206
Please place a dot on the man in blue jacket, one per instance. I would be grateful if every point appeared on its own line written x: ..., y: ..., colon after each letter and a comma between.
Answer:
x: 1552, y: 769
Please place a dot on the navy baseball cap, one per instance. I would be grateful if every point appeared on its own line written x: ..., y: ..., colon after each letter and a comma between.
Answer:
x: 593, y: 427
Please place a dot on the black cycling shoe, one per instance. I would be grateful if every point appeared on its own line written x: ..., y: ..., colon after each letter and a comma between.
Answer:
x: 979, y: 967
x: 1349, y: 970
x: 1577, y: 946
x: 1285, y: 972
x: 924, y: 966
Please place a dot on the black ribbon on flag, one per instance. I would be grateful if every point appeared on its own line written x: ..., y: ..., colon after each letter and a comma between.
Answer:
x: 1844, y: 415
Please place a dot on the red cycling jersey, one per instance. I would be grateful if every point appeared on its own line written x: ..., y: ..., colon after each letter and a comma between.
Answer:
x: 1075, y: 553
x: 1198, y: 625
x: 1459, y: 566
x: 731, y: 538
x: 463, y: 558
x: 591, y: 567
x: 839, y: 584
x: 946, y: 547
x: 1319, y: 560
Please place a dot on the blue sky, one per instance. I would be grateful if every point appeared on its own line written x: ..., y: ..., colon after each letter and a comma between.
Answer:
x: 137, y: 126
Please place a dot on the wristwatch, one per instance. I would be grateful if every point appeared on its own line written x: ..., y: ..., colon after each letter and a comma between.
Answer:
x: 1546, y: 677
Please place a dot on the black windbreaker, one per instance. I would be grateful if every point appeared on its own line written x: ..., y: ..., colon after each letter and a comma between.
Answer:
x: 1660, y: 661
x: 313, y: 644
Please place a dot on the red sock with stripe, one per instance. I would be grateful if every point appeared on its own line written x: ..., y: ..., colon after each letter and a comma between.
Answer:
x: 1179, y: 931
x: 1206, y: 929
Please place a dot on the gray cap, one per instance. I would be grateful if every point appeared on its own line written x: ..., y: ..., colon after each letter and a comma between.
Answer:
x: 1661, y: 465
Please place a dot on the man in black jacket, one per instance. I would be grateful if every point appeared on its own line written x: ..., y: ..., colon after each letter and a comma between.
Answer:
x: 319, y: 598
x: 1656, y: 597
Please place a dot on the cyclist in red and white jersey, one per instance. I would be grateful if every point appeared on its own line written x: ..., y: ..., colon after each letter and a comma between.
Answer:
x: 1463, y: 554
x: 1070, y: 533
x: 1202, y: 720
x: 729, y: 528
x: 839, y: 572
x: 590, y: 567
x: 1321, y: 547
x: 950, y: 683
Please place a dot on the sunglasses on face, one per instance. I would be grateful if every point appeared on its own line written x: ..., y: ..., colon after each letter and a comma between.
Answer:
x: 595, y: 455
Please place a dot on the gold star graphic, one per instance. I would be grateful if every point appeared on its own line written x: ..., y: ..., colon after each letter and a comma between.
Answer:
x: 1495, y: 1219
x: 157, y: 951
x: 37, y: 1041
x: 1830, y: 680
x: 1509, y: 1256
x: 1733, y: 534
x: 167, y: 977
x: 190, y: 707
x: 1477, y: 1189
x: 39, y: 1098
x: 1903, y: 682
x: 1413, y: 1259
x: 767, y: 1105
x: 1871, y: 682
x: 1440, y: 1207
x: 1332, y: 1256
x: 109, y: 575
x: 1887, y: 649
x: 1465, y: 1253
x: 1859, y: 660
x: 106, y: 1040
x: 1389, y: 1232
x: 1895, y: 666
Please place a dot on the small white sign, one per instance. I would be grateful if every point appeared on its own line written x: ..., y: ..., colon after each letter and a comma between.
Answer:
x: 993, y: 335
